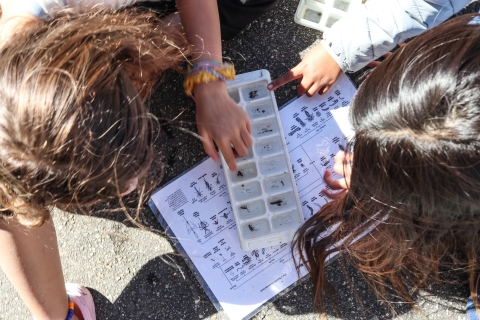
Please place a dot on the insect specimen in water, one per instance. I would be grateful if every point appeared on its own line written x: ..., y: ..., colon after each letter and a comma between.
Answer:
x: 252, y: 228
x: 282, y: 183
x: 244, y: 207
x: 278, y: 202
x: 253, y: 94
x: 239, y: 174
x: 266, y: 129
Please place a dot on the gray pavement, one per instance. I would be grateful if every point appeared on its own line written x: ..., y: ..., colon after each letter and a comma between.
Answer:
x: 134, y: 273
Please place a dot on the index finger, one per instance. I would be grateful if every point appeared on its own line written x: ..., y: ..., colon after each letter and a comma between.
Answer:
x: 284, y: 78
x: 228, y: 155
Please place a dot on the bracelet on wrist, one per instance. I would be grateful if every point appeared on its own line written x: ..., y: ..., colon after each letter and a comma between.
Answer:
x: 71, y: 309
x: 207, y: 71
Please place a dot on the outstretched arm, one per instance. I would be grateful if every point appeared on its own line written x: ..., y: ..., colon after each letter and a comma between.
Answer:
x: 219, y: 118
x: 363, y: 35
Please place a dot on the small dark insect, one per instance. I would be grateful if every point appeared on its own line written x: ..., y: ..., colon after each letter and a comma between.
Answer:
x: 244, y: 207
x: 279, y: 202
x: 252, y: 228
x: 239, y: 174
x: 282, y: 183
x: 253, y: 94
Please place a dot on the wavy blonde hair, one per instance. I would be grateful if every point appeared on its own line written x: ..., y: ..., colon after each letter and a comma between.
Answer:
x: 74, y: 129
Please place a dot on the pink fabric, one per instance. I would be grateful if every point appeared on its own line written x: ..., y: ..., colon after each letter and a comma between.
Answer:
x: 83, y: 299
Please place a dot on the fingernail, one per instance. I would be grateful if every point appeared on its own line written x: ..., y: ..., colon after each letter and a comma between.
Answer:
x: 270, y: 86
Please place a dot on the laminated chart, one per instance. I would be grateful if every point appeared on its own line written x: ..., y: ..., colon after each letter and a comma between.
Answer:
x: 196, y: 212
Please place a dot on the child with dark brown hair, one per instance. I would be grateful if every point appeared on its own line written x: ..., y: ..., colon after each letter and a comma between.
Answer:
x: 412, y: 171
x: 73, y: 131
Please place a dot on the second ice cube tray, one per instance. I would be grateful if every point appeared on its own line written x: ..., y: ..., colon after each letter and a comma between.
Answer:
x: 322, y: 14
x: 262, y: 191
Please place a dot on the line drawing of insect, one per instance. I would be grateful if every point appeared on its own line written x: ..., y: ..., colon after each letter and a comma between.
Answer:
x: 311, y: 210
x: 209, y: 186
x: 199, y: 193
x: 309, y: 116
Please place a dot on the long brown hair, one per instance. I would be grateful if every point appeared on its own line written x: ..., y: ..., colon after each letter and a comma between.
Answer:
x: 416, y: 170
x: 73, y: 126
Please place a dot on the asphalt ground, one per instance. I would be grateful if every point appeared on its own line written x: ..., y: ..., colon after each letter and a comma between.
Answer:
x: 134, y: 273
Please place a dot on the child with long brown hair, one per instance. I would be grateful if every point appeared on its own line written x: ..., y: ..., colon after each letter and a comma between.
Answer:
x: 73, y: 131
x: 220, y: 121
x: 412, y: 171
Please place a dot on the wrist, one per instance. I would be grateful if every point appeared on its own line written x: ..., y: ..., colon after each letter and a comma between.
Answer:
x: 203, y: 73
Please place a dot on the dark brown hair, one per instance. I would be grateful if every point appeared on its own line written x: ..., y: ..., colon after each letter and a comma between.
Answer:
x: 416, y: 170
x: 73, y: 126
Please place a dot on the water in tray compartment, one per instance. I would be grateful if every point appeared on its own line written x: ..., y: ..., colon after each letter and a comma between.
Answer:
x: 281, y: 202
x: 272, y: 165
x: 277, y: 184
x: 312, y: 15
x: 247, y: 157
x: 255, y: 91
x: 284, y: 221
x: 254, y: 229
x: 251, y: 209
x: 268, y: 147
x: 234, y: 94
x: 264, y: 128
x: 341, y: 5
x: 247, y: 190
x: 260, y: 110
x: 244, y: 172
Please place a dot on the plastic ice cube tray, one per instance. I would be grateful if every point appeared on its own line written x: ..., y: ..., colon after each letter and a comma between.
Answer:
x: 262, y: 191
x: 322, y: 14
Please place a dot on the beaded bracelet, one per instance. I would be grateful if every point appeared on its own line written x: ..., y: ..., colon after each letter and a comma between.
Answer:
x: 207, y: 71
x: 71, y: 309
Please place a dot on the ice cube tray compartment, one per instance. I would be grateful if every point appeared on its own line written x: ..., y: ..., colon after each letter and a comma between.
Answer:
x: 260, y: 110
x: 247, y: 190
x: 272, y: 165
x: 253, y: 209
x: 255, y: 229
x: 277, y: 184
x: 281, y: 202
x: 268, y: 147
x: 322, y: 14
x: 261, y: 129
x: 244, y: 172
x: 249, y: 156
x: 235, y: 95
x: 255, y: 91
x: 286, y: 221
x: 265, y: 174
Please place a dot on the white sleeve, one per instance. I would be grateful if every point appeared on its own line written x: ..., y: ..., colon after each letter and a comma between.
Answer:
x: 46, y: 9
x: 376, y: 27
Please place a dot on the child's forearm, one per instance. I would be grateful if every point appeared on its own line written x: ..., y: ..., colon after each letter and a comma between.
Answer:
x: 202, y: 27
